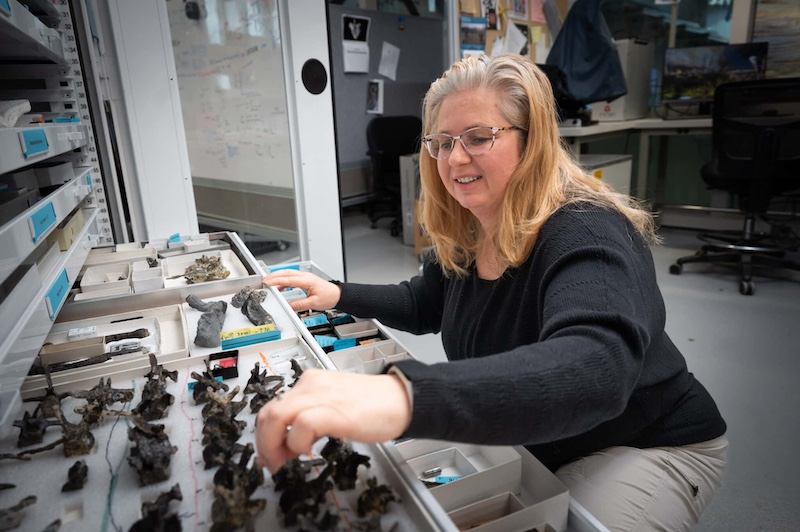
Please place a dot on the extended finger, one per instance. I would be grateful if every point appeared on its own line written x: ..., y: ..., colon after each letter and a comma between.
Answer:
x: 271, y: 436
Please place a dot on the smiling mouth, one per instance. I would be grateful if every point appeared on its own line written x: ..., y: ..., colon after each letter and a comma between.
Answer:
x: 466, y: 180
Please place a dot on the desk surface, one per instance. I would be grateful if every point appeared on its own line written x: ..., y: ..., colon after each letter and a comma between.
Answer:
x: 641, y: 123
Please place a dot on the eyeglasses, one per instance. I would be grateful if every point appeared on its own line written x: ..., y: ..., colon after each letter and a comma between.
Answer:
x: 476, y: 141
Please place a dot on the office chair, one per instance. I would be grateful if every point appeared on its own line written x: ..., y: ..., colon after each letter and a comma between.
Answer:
x: 389, y: 137
x: 756, y: 156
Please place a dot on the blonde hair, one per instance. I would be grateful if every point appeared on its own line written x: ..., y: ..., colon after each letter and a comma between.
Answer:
x: 546, y: 178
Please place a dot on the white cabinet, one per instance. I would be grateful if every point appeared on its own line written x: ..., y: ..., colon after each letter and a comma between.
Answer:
x: 44, y: 241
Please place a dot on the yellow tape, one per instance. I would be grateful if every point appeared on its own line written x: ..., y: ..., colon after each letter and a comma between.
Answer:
x: 241, y: 333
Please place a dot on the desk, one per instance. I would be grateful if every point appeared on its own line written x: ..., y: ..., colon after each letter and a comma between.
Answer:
x: 646, y: 127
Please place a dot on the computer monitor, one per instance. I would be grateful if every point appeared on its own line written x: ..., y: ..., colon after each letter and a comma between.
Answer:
x: 691, y: 75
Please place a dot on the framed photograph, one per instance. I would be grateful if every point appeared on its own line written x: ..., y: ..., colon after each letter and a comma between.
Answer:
x: 518, y: 9
x: 375, y: 97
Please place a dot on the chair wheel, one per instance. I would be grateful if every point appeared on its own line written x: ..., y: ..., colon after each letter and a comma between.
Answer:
x: 675, y: 269
x: 283, y: 246
x: 746, y: 288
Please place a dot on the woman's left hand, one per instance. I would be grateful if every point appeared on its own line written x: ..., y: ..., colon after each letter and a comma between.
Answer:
x: 363, y: 408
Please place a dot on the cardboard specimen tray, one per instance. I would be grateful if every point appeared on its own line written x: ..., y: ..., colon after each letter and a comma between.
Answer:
x: 174, y: 267
x: 113, y: 494
x: 488, y: 488
x: 370, y: 359
x: 236, y: 326
x: 167, y: 339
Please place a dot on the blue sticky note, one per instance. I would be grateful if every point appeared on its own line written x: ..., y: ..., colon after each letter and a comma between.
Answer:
x: 175, y: 238
x: 89, y: 180
x: 34, y: 142
x: 68, y: 121
x: 57, y: 294
x: 42, y: 220
x: 444, y: 479
x: 5, y: 6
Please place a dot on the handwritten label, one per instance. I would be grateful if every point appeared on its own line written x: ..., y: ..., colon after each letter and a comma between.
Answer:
x: 42, y: 220
x: 34, y: 142
x: 249, y: 331
x: 57, y: 294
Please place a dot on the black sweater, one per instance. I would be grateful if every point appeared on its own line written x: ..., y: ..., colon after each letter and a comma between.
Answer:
x: 566, y: 354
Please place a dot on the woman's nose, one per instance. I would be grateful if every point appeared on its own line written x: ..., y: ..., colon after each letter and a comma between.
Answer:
x: 459, y: 155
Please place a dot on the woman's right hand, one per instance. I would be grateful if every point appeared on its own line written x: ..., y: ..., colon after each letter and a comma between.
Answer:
x: 320, y: 294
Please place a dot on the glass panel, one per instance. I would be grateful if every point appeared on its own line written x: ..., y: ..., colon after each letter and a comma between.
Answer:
x: 231, y: 79
x: 678, y: 158
x: 422, y: 8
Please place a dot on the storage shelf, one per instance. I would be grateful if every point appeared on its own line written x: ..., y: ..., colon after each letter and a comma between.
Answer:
x: 44, y: 11
x: 26, y: 336
x: 23, y: 37
x: 61, y: 138
x: 20, y: 236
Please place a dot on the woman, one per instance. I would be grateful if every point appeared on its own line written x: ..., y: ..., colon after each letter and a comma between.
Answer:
x: 543, y: 287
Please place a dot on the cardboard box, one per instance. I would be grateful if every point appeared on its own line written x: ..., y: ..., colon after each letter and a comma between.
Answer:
x: 637, y: 59
x: 409, y: 192
x: 421, y: 240
x: 66, y: 233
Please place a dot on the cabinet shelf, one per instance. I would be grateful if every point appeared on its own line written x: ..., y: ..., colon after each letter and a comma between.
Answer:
x: 23, y: 338
x: 44, y: 11
x: 22, y: 146
x: 20, y: 236
x: 23, y: 37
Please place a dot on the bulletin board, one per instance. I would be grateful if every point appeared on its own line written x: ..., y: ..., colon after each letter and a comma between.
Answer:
x: 505, y: 24
x: 230, y: 77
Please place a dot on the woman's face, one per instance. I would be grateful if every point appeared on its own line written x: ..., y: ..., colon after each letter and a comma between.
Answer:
x: 478, y: 183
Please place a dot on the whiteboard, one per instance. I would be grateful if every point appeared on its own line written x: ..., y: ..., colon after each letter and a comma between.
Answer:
x: 231, y: 83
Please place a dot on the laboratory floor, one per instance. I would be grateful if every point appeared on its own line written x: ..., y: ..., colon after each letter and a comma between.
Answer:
x: 744, y: 349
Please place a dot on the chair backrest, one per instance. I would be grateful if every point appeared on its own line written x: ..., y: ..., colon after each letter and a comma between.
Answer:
x: 756, y: 140
x: 389, y: 137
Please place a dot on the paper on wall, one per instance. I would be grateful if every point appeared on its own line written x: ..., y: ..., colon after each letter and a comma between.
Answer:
x: 355, y: 47
x: 390, y: 56
x: 515, y: 41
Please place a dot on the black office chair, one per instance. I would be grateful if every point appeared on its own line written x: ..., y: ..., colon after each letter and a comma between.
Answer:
x: 756, y: 156
x: 389, y: 137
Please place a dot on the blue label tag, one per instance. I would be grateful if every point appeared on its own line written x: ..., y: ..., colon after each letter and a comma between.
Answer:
x: 273, y: 269
x: 324, y: 341
x: 5, y: 6
x: 89, y: 181
x: 235, y: 343
x: 344, y: 344
x: 57, y: 294
x: 175, y: 238
x: 343, y: 319
x: 192, y: 384
x: 67, y: 120
x: 443, y: 479
x: 313, y: 321
x: 34, y: 141
x: 42, y: 220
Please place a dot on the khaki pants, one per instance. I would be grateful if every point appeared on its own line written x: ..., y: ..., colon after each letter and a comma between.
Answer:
x: 661, y: 488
